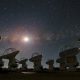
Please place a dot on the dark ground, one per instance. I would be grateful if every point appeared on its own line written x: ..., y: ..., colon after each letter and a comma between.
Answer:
x: 40, y: 76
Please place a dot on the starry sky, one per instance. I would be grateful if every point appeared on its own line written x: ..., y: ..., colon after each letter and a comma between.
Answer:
x: 52, y: 25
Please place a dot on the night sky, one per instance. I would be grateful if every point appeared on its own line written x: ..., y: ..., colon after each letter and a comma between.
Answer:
x: 51, y: 25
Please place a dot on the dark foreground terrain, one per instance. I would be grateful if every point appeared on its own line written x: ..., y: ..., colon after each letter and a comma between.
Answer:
x: 40, y: 76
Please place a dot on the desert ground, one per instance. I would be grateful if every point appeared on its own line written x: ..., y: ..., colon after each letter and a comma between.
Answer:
x: 40, y: 76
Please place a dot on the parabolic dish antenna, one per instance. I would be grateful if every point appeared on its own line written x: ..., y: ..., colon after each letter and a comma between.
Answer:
x: 10, y: 53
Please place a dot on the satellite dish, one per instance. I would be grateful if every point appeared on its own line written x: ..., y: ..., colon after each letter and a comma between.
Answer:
x: 50, y: 63
x: 68, y: 59
x: 69, y: 52
x: 35, y: 54
x: 60, y: 60
x: 10, y: 53
x: 23, y: 62
x: 36, y: 59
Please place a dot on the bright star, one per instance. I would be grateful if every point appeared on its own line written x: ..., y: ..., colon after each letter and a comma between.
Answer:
x: 26, y: 39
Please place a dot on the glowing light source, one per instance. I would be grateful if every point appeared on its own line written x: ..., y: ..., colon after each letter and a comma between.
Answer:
x: 26, y: 39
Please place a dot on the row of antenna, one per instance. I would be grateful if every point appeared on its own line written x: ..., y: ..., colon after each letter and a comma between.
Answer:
x: 67, y: 60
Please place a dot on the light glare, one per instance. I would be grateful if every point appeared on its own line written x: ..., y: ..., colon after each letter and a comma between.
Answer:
x: 26, y: 39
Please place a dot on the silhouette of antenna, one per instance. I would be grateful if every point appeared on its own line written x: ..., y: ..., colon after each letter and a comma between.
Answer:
x: 36, y: 59
x: 23, y: 62
x: 10, y: 54
x: 68, y: 59
x: 50, y: 63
